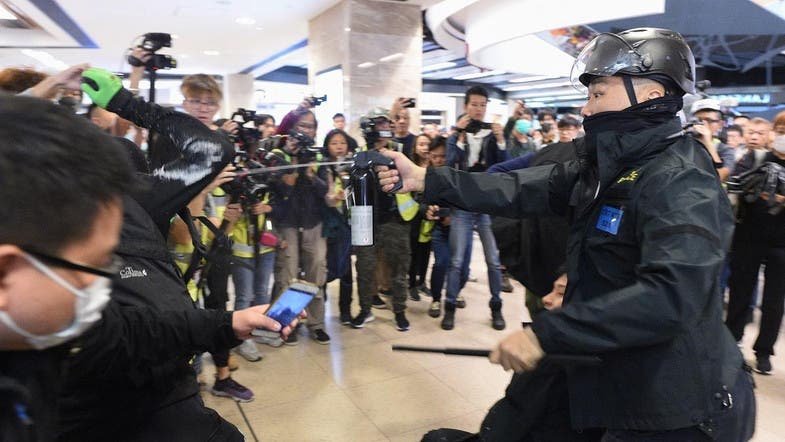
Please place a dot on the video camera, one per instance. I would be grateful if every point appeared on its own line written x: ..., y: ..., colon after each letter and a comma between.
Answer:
x: 152, y: 42
x: 245, y: 188
x: 305, y: 151
x: 247, y: 137
x: 316, y: 101
x: 768, y: 178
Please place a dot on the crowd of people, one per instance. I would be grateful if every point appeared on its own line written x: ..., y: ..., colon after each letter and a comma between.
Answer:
x: 179, y: 233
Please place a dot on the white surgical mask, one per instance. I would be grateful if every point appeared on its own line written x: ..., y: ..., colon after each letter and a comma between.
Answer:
x: 779, y: 144
x: 89, y: 302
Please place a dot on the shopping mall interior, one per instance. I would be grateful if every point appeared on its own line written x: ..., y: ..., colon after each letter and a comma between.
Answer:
x: 339, y: 379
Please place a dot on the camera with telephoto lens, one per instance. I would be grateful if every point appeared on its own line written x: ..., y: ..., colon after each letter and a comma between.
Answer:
x: 306, y: 151
x: 316, y: 101
x: 152, y: 42
x: 768, y: 178
x: 245, y: 188
x: 246, y: 137
x: 475, y: 126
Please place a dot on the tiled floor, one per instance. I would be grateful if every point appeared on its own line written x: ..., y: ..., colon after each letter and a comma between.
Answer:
x: 358, y: 389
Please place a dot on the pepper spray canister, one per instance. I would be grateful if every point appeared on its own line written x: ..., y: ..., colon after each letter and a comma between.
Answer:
x: 363, y: 193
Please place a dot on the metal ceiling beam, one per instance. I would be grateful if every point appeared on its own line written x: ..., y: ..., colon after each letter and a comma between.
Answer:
x: 771, y: 51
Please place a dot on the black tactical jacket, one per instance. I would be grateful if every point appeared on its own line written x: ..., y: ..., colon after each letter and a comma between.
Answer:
x: 135, y: 361
x: 643, y: 258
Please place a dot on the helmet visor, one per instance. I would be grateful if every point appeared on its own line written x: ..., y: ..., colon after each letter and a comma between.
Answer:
x: 606, y: 55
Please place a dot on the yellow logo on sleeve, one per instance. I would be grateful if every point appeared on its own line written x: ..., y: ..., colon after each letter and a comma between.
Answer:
x: 630, y: 177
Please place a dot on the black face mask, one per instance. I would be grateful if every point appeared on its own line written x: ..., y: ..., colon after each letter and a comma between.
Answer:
x: 641, y: 116
x: 69, y: 102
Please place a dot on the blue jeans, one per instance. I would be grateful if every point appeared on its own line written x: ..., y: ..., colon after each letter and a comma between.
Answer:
x: 252, y: 285
x: 461, y: 226
x: 440, y: 244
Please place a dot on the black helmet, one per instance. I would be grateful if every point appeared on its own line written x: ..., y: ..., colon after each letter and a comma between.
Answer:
x: 368, y: 124
x: 659, y: 54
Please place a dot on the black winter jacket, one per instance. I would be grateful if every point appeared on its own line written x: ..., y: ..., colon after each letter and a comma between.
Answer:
x: 643, y: 260
x: 29, y: 383
x: 135, y: 361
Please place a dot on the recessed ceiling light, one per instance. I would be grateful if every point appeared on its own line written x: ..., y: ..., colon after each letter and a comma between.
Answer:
x: 211, y: 52
x: 5, y: 14
x: 46, y: 59
x: 437, y: 66
x: 245, y: 21
x: 367, y: 64
x: 347, y: 29
x: 527, y: 87
x: 478, y: 75
x: 534, y: 78
x: 391, y: 57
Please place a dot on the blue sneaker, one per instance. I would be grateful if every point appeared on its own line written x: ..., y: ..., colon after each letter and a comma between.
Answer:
x: 232, y: 389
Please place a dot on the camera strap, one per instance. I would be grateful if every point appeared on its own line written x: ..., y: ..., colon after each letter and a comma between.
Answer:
x: 200, y: 250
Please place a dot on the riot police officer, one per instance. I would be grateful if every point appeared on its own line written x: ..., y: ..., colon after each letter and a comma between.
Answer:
x: 650, y: 226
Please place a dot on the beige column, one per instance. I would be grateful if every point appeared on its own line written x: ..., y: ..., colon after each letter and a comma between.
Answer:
x: 378, y: 47
x: 238, y: 92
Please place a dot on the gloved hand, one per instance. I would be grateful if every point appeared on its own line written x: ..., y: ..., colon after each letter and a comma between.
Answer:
x: 101, y: 85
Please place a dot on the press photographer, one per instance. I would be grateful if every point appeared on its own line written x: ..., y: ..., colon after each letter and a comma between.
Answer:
x: 299, y: 196
x: 391, y: 215
x: 759, y: 238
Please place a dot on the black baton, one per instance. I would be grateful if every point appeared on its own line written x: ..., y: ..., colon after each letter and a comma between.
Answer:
x: 555, y: 358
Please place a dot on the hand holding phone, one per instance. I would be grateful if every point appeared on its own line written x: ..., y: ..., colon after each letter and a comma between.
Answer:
x: 290, y: 304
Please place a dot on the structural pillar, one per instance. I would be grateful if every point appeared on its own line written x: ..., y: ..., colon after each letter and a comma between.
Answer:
x: 238, y: 90
x: 365, y: 53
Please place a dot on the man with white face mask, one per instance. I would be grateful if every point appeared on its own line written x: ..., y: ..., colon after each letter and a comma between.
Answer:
x: 54, y: 276
x: 759, y: 237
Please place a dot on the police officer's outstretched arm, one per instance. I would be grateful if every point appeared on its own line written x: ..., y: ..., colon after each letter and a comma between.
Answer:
x: 541, y: 190
x: 682, y: 229
x: 204, y: 153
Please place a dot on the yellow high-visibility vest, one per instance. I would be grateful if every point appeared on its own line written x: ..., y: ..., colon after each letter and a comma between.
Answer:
x: 426, y: 228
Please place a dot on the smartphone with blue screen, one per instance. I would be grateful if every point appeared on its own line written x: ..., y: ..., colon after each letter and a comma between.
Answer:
x: 290, y: 304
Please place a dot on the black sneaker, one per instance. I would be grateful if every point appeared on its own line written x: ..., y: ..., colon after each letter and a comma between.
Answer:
x: 320, y: 336
x: 378, y: 302
x: 425, y: 290
x: 401, y: 323
x: 346, y: 318
x: 363, y: 318
x: 292, y: 339
x: 460, y: 301
x: 414, y: 294
x: 506, y: 284
x: 232, y: 389
x: 764, y: 364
